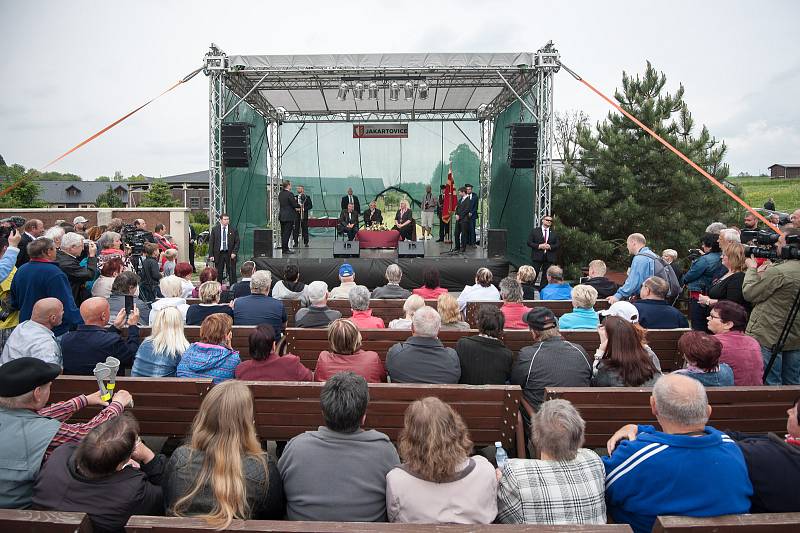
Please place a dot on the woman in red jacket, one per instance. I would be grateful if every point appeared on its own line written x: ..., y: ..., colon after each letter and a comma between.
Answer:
x: 267, y: 364
x: 346, y: 354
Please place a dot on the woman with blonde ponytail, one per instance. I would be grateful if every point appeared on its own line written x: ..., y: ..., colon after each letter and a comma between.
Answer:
x: 222, y: 473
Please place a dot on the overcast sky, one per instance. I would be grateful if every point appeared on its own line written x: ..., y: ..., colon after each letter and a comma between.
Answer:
x: 70, y: 67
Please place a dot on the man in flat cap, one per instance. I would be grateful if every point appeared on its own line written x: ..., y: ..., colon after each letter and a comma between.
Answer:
x: 29, y: 431
x: 551, y: 361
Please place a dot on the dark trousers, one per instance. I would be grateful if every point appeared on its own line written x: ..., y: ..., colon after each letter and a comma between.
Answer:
x: 223, y: 263
x: 541, y: 267
x: 444, y: 229
x: 698, y: 315
x: 192, y: 247
x: 351, y: 233
x: 300, y: 224
x: 472, y: 222
x: 286, y: 233
x: 462, y: 235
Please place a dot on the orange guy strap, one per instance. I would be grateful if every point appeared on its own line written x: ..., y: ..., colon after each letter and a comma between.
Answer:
x: 677, y: 152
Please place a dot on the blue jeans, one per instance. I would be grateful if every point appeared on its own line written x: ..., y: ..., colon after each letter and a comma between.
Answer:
x: 786, y: 370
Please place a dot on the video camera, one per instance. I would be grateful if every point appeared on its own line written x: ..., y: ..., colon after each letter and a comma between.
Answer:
x: 134, y: 238
x: 762, y: 243
x: 7, y: 225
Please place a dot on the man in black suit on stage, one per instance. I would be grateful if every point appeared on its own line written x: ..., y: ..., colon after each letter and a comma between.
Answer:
x: 473, y: 199
x: 350, y: 198
x: 463, y: 216
x: 348, y: 222
x: 404, y: 221
x: 544, y: 244
x: 289, y: 208
x: 301, y: 221
x: 372, y: 215
x: 223, y: 245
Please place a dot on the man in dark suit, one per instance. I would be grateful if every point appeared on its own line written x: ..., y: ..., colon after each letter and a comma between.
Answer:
x: 372, y: 215
x: 404, y: 221
x: 223, y: 246
x: 350, y: 198
x: 473, y: 199
x: 348, y: 222
x: 31, y: 230
x: 289, y: 208
x: 544, y: 244
x: 192, y: 246
x: 301, y: 221
x: 463, y: 216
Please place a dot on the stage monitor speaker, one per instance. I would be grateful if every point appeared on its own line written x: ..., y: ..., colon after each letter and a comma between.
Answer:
x: 262, y: 243
x: 411, y: 249
x: 523, y: 142
x: 346, y: 249
x: 496, y: 241
x: 236, y: 144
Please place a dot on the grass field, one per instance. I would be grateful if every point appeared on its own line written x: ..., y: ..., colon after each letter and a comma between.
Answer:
x: 756, y: 190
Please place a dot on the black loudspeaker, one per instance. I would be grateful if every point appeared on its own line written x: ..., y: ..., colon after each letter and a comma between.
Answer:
x: 262, y: 243
x: 346, y: 249
x: 522, y: 145
x: 236, y: 144
x: 496, y: 241
x: 411, y: 249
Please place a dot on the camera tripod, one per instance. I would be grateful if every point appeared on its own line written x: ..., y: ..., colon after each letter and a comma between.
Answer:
x: 787, y: 328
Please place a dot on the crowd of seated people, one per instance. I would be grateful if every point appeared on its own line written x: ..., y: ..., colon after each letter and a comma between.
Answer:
x: 222, y: 473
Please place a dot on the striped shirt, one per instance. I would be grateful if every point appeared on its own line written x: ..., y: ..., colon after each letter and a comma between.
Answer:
x: 75, y: 432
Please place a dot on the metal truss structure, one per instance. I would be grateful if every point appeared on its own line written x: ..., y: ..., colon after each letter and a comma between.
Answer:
x: 382, y: 88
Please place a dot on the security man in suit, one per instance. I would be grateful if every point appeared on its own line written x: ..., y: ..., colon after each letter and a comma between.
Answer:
x: 372, y: 215
x: 289, y: 208
x: 223, y: 245
x: 473, y: 199
x: 348, y: 222
x: 544, y: 244
x: 301, y: 222
x: 463, y: 216
x: 350, y: 198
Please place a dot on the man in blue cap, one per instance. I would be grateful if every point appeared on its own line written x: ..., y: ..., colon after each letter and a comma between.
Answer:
x: 31, y: 431
x: 347, y: 280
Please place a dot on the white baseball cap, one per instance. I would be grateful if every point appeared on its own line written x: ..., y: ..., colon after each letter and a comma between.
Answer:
x: 622, y: 309
x: 80, y: 220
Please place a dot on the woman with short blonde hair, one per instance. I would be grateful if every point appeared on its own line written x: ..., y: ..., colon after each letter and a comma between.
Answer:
x: 526, y: 275
x: 223, y: 474
x: 211, y: 357
x: 451, y: 315
x: 209, y: 292
x: 172, y: 290
x: 438, y: 481
x: 729, y: 286
x: 345, y: 354
x: 583, y: 315
x: 158, y: 354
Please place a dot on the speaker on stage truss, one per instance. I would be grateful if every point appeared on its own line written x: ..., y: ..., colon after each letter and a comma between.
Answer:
x: 262, y: 243
x: 496, y: 240
x: 346, y: 249
x: 522, y: 145
x: 411, y: 249
x: 236, y: 144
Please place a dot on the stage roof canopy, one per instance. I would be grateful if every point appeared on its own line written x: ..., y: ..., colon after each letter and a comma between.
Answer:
x: 305, y: 88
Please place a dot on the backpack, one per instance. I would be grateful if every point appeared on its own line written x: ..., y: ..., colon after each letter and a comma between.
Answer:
x: 661, y: 269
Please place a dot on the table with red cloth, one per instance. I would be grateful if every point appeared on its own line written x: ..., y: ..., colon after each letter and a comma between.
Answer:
x: 378, y: 239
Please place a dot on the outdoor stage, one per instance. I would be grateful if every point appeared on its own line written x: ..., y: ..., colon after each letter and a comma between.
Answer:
x: 317, y: 263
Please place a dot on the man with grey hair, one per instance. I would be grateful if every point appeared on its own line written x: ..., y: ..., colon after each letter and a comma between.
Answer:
x: 259, y: 307
x: 392, y: 289
x: 715, y: 228
x: 567, y: 485
x: 422, y: 358
x: 318, y: 314
x: 556, y: 288
x: 69, y: 257
x: 687, y: 469
x: 670, y: 257
x: 654, y: 311
x: 362, y: 314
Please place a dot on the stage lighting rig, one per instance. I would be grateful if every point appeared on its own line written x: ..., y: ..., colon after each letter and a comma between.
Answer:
x: 394, y: 91
x: 408, y: 90
x: 358, y: 91
x: 423, y: 90
x: 342, y: 94
x: 373, y: 91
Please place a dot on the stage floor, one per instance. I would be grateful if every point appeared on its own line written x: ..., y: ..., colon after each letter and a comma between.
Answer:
x: 317, y: 263
x: 322, y: 248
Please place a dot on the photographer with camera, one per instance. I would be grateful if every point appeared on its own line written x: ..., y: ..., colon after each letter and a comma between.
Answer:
x: 772, y: 289
x: 699, y: 278
x: 69, y: 257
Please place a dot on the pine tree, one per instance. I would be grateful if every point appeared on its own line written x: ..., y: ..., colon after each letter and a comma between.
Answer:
x: 635, y: 184
x: 159, y: 195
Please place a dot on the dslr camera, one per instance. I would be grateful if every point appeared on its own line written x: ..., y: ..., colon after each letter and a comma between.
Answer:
x: 762, y: 243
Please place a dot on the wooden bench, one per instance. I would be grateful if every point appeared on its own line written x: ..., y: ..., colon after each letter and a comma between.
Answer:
x: 746, y: 409
x: 736, y: 523
x: 166, y: 406
x: 558, y: 307
x: 27, y: 521
x: 160, y: 524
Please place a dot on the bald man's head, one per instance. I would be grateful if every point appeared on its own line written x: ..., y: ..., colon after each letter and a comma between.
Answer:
x: 680, y: 401
x: 95, y: 311
x: 48, y: 312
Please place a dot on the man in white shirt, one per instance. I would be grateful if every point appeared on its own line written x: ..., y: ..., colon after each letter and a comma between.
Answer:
x: 34, y: 337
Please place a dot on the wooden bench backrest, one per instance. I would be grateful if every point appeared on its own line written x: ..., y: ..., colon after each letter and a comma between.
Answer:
x: 163, y: 406
x: 27, y: 521
x: 747, y: 409
x: 739, y: 523
x: 160, y: 524
x: 558, y: 307
x: 167, y: 406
